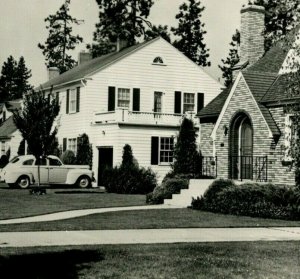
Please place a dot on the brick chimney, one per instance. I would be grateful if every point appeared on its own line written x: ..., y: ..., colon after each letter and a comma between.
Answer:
x: 84, y: 57
x: 121, y: 44
x: 53, y: 72
x: 252, y: 39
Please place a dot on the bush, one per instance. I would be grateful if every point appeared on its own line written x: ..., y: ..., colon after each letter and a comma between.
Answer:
x: 256, y: 200
x: 168, y: 187
x: 3, y: 161
x: 84, y: 151
x: 68, y: 157
x: 129, y: 180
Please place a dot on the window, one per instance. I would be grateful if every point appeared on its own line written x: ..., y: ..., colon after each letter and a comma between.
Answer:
x: 3, y: 147
x: 158, y: 60
x: 157, y: 101
x: 43, y: 162
x: 123, y: 97
x: 290, y: 136
x: 72, y: 101
x: 54, y: 162
x: 166, y: 150
x: 28, y: 162
x: 72, y: 145
x: 188, y: 102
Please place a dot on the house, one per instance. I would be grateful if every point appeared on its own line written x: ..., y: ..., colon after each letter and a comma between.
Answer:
x: 10, y: 137
x: 247, y: 126
x: 137, y: 95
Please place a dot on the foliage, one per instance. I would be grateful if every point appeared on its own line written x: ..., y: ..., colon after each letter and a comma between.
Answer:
x: 84, y: 151
x: 35, y: 123
x: 168, y: 187
x: 231, y: 60
x: 186, y: 156
x: 191, y: 32
x: 68, y: 157
x: 127, y: 158
x: 60, y: 39
x: 129, y: 180
x: 3, y: 161
x: 256, y: 200
x: 14, y: 79
x: 21, y: 148
x: 124, y: 20
x: 281, y: 17
x: 160, y: 30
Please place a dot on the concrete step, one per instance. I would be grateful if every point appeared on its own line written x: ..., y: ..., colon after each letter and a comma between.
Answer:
x: 197, y: 187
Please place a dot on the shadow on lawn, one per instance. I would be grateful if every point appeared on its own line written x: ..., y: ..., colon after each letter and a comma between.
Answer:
x: 64, y: 264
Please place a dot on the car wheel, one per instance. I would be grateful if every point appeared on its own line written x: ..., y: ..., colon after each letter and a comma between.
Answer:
x: 23, y: 182
x: 83, y: 182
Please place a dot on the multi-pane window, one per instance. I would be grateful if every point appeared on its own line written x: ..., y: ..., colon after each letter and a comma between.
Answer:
x: 188, y: 102
x: 166, y: 150
x: 72, y: 100
x: 158, y: 60
x: 72, y: 145
x: 123, y: 97
x: 157, y: 101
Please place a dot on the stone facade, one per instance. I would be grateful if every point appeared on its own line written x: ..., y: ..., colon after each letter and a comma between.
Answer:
x: 206, y: 142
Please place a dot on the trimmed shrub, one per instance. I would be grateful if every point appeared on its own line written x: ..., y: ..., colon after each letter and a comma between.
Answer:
x: 68, y: 157
x: 256, y: 200
x: 129, y: 180
x: 168, y: 187
x: 84, y: 151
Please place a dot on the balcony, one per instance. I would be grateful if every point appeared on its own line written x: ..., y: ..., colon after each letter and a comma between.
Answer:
x: 142, y: 118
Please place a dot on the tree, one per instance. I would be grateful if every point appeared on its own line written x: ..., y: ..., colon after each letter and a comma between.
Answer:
x: 84, y: 151
x: 185, y: 150
x: 281, y: 17
x: 127, y: 158
x: 158, y: 31
x: 191, y: 32
x: 120, y: 19
x: 60, y: 39
x: 232, y: 59
x: 35, y: 123
x: 7, y: 79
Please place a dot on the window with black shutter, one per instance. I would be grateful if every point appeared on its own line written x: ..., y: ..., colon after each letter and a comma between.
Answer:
x: 136, y: 99
x: 64, y: 144
x: 177, y: 102
x: 111, y: 98
x: 154, y: 150
x: 67, y: 101
x: 77, y: 99
x: 200, y: 101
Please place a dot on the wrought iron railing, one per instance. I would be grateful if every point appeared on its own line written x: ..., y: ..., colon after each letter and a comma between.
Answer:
x: 249, y: 167
x: 209, y: 167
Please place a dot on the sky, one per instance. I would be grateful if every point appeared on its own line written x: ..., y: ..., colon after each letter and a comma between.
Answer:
x: 22, y: 27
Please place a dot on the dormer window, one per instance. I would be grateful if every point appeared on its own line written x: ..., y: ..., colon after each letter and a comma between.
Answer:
x: 158, y: 61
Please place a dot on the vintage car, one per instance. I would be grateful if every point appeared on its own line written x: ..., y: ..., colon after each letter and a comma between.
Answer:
x: 22, y: 171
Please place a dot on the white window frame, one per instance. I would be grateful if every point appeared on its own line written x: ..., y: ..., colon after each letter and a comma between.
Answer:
x: 161, y: 101
x: 161, y: 150
x: 72, y: 100
x: 72, y: 145
x: 123, y: 99
x: 185, y: 103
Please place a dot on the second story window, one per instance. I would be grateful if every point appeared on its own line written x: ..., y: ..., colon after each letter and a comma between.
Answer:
x: 123, y: 97
x: 188, y: 102
x: 157, y: 101
x: 72, y: 100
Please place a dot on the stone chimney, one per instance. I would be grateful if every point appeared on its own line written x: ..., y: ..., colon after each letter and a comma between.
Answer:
x: 53, y: 72
x: 252, y: 39
x: 84, y: 57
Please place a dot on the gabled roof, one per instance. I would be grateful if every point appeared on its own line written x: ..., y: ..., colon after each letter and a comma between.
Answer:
x: 84, y: 70
x: 7, y: 128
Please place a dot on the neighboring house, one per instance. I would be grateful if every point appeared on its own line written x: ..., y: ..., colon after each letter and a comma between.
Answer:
x: 137, y: 96
x: 10, y: 137
x: 247, y: 126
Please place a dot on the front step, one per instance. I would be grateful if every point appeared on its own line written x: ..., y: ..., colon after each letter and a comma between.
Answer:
x: 197, y: 187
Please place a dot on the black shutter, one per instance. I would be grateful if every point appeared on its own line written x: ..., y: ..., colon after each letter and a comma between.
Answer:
x: 57, y: 97
x: 77, y: 99
x: 111, y: 98
x: 200, y: 101
x: 154, y: 150
x: 64, y: 144
x: 136, y: 99
x: 177, y: 102
x: 49, y: 98
x: 67, y: 101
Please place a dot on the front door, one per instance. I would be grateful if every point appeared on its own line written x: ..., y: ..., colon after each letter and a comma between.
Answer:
x: 105, y: 160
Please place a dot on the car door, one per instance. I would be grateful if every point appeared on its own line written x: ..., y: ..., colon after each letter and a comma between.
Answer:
x: 57, y: 172
x: 44, y: 171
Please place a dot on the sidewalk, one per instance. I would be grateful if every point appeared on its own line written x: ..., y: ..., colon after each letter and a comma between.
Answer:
x: 150, y: 236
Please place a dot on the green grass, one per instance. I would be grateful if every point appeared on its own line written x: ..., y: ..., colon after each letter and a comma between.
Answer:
x: 16, y: 203
x: 189, y: 261
x: 150, y: 219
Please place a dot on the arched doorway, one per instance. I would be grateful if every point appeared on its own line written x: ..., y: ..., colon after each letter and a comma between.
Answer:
x: 241, y: 147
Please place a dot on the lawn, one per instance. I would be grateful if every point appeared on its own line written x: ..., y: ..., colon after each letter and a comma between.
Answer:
x: 16, y: 203
x: 150, y: 219
x: 188, y: 261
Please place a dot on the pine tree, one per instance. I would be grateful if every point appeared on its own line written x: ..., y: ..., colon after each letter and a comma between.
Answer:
x: 156, y: 31
x: 119, y: 19
x: 281, y: 16
x: 191, y: 32
x: 8, y: 79
x: 60, y: 40
x: 185, y: 151
x: 127, y: 158
x: 84, y: 151
x: 231, y: 60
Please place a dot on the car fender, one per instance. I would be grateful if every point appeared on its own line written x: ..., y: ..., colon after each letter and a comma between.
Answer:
x: 13, y: 176
x: 74, y: 174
